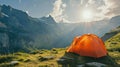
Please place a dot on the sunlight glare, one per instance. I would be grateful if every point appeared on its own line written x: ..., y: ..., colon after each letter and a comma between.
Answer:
x: 87, y: 15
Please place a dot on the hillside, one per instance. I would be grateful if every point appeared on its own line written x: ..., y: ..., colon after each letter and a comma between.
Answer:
x: 44, y: 58
x: 113, y: 43
x: 48, y: 58
x: 37, y: 58
x: 113, y: 46
x: 111, y: 33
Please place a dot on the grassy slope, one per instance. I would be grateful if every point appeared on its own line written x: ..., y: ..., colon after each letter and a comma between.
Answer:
x: 113, y: 46
x: 32, y: 59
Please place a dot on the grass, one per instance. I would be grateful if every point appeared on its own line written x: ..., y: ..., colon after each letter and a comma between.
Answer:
x: 32, y: 59
x: 113, y: 46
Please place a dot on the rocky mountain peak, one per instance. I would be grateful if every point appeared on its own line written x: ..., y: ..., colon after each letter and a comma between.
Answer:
x: 48, y: 19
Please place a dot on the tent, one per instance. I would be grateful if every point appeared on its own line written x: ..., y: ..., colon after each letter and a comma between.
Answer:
x: 88, y: 45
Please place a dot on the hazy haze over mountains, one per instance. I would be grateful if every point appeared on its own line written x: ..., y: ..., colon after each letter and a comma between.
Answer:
x: 19, y: 31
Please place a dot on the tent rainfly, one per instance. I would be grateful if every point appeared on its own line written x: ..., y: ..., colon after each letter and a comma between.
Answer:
x: 88, y: 45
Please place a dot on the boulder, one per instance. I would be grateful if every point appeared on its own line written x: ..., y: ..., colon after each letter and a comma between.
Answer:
x: 14, y: 63
x: 73, y: 60
x: 46, y: 58
x: 93, y: 64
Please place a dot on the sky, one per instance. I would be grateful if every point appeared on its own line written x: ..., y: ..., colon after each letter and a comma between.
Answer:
x: 35, y: 8
x: 68, y: 10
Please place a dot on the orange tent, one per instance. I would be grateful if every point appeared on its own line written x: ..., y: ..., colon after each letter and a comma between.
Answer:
x: 88, y: 45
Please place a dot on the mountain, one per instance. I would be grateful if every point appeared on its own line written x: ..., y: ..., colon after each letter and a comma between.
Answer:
x: 70, y: 30
x: 20, y: 32
x: 111, y: 33
x: 46, y: 19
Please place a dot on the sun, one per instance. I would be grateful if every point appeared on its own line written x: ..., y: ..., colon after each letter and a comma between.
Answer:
x: 87, y: 15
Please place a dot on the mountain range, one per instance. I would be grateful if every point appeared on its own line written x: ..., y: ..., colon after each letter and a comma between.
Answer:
x: 21, y: 32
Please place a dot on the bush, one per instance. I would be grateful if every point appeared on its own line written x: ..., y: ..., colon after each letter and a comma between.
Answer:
x: 6, y: 65
x: 4, y: 59
x: 114, y: 43
x: 27, y: 60
x: 46, y: 58
x: 114, y: 48
x: 54, y: 49
x: 37, y: 52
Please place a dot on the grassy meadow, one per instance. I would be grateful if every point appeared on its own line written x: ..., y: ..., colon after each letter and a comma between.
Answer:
x: 48, y: 58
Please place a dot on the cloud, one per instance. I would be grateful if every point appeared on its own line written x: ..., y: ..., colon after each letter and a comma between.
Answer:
x: 58, y: 10
x: 97, y: 8
x: 71, y: 10
x: 112, y: 7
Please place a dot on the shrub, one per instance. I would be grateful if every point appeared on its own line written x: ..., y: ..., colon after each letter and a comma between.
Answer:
x: 114, y: 43
x: 27, y: 60
x: 46, y: 58
x: 6, y: 58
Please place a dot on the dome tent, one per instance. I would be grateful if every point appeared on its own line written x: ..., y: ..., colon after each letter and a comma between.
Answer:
x: 87, y: 50
x: 88, y: 45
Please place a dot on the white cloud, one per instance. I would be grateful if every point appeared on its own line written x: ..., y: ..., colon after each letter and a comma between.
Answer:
x: 58, y: 10
x: 91, y: 1
x: 71, y: 9
x: 81, y: 2
x: 112, y: 7
x: 97, y: 7
x: 64, y: 5
x: 92, y: 5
